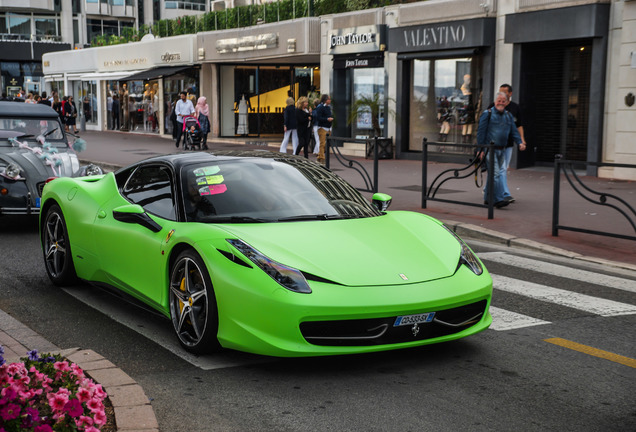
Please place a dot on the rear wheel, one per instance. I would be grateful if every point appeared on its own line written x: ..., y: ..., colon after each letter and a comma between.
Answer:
x: 193, y: 305
x: 58, y: 258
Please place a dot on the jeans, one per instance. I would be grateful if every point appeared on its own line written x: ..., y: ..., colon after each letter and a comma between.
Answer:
x: 498, y: 171
x: 504, y: 179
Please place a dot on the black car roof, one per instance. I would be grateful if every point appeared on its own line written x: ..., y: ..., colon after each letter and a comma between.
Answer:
x: 180, y: 159
x: 21, y: 109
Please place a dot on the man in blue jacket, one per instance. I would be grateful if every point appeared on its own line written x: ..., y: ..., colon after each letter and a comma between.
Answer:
x: 324, y: 118
x: 496, y: 125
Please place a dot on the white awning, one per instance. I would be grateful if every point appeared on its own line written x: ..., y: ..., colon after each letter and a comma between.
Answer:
x: 114, y: 76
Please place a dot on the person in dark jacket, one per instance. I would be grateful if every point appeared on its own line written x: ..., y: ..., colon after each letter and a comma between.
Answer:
x: 115, y: 111
x: 324, y: 118
x: 303, y: 118
x: 290, y: 126
x: 70, y: 114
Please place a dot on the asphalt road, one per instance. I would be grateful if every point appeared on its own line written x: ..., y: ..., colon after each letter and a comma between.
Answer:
x: 513, y: 376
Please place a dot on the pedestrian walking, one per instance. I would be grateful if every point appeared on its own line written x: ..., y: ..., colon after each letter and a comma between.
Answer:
x: 303, y: 119
x: 496, y: 125
x: 314, y: 126
x: 515, y: 110
x: 183, y: 108
x: 116, y: 109
x: 290, y: 126
x: 324, y: 119
x: 44, y: 100
x: 203, y: 115
x: 70, y: 114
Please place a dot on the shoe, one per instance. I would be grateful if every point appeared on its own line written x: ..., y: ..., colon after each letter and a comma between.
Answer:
x: 509, y: 199
x: 176, y: 145
x: 501, y: 204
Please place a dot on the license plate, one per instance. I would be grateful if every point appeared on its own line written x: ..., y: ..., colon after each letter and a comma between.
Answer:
x: 414, y: 319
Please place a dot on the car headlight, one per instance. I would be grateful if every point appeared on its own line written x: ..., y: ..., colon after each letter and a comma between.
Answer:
x: 467, y: 258
x: 12, y: 171
x: 287, y: 277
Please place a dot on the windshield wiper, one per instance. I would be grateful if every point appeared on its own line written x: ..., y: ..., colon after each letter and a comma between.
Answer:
x: 236, y: 219
x: 322, y: 216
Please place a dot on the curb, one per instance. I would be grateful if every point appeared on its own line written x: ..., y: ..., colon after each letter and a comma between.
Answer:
x: 133, y: 411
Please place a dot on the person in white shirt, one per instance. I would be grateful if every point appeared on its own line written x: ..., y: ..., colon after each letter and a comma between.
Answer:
x: 183, y: 108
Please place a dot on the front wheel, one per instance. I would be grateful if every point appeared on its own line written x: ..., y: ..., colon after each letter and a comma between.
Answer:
x: 193, y: 304
x: 56, y: 246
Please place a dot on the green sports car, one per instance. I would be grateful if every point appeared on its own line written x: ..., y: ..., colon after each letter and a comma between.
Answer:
x: 266, y: 253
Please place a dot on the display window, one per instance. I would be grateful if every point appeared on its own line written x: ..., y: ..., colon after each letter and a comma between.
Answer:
x: 172, y: 86
x: 253, y: 97
x: 445, y: 102
x: 369, y: 99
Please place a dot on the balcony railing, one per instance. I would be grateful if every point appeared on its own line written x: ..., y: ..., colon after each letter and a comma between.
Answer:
x: 28, y: 38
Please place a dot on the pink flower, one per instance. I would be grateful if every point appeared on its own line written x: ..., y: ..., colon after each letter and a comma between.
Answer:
x: 91, y: 429
x: 61, y: 366
x: 100, y: 417
x: 74, y: 408
x: 84, y: 422
x: 84, y: 395
x: 95, y: 405
x: 57, y: 401
x: 43, y: 428
x: 10, y: 412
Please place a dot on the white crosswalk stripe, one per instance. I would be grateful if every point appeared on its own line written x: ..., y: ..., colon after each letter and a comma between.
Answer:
x: 561, y: 271
x: 507, y: 320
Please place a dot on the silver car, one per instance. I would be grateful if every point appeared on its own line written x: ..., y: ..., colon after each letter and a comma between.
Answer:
x: 33, y: 149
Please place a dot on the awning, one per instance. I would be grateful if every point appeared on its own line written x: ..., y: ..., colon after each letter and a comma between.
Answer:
x: 114, y: 76
x: 158, y: 72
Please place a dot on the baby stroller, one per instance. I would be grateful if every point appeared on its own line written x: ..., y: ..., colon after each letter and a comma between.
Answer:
x: 192, y: 133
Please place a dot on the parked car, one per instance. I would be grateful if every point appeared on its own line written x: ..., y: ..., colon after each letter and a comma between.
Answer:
x: 33, y: 148
x: 266, y: 253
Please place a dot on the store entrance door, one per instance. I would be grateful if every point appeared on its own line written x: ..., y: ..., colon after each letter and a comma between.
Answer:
x: 554, y: 95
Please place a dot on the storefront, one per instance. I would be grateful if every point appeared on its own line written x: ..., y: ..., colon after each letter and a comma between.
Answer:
x: 359, y: 80
x: 126, y: 87
x: 250, y: 73
x: 559, y: 64
x: 445, y: 79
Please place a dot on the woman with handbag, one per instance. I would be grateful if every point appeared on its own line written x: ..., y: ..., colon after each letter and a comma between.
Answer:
x: 70, y: 113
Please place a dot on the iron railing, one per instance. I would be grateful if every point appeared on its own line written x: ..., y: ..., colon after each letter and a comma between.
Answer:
x: 472, y: 169
x: 600, y: 198
x: 333, y: 146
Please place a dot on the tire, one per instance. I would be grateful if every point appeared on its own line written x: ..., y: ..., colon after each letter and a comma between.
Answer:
x: 58, y: 258
x: 193, y: 308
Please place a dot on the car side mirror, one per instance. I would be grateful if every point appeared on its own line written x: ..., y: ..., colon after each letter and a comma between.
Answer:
x: 134, y: 213
x: 381, y: 201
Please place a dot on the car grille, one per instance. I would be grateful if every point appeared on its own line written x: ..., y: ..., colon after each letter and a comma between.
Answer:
x: 40, y: 187
x: 380, y: 331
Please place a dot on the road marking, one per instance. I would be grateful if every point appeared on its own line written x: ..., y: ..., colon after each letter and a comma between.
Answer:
x: 506, y: 320
x: 616, y: 358
x: 160, y: 333
x: 562, y: 297
x: 561, y: 271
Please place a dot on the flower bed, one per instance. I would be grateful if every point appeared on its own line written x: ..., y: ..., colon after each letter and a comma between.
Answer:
x: 47, y: 393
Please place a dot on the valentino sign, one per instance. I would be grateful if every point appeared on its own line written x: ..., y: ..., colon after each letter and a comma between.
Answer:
x: 435, y: 36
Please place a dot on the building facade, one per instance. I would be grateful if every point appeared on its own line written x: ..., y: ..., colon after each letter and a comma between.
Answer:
x: 433, y: 67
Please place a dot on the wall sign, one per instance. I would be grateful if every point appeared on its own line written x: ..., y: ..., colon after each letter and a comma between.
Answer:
x: 357, y: 39
x: 439, y: 36
x: 247, y: 43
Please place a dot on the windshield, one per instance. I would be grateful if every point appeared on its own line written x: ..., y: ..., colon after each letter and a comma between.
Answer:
x: 28, y: 129
x: 268, y: 190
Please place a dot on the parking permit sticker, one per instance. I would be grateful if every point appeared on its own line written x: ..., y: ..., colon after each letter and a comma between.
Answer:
x: 213, y: 189
x: 210, y: 180
x: 207, y: 171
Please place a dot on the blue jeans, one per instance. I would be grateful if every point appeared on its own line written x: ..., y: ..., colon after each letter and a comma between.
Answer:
x: 504, y: 178
x: 499, y: 174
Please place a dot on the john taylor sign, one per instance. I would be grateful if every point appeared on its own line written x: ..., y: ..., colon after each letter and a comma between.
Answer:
x: 357, y: 39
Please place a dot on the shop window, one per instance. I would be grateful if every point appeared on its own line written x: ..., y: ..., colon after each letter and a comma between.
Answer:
x: 368, y: 90
x: 47, y: 27
x: 445, y: 102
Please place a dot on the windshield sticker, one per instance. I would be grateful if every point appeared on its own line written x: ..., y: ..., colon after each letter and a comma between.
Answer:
x: 210, y: 180
x: 213, y: 189
x: 206, y: 171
